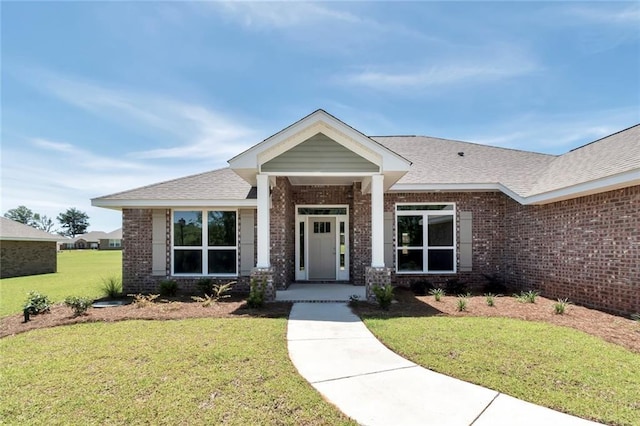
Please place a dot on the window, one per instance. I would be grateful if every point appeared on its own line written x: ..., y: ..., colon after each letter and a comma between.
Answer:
x: 426, y: 238
x: 115, y: 243
x: 205, y: 242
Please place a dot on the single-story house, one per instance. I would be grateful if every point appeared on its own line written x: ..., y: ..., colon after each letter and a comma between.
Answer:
x: 111, y: 241
x: 95, y: 240
x: 320, y: 201
x: 25, y: 250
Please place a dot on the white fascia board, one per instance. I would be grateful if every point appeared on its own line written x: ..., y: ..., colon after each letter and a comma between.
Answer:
x: 609, y: 183
x: 169, y: 204
x: 321, y: 174
x: 36, y: 239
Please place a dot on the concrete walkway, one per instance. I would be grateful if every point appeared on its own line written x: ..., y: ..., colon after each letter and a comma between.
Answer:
x: 338, y: 355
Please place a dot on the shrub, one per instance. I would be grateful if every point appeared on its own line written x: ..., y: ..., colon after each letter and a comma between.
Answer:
x: 437, y: 293
x: 455, y: 286
x: 79, y: 305
x: 384, y: 295
x: 560, y: 306
x: 421, y: 287
x: 636, y: 318
x: 489, y: 297
x: 527, y: 296
x: 111, y: 286
x: 495, y: 284
x: 205, y: 285
x: 256, y: 293
x: 142, y: 300
x: 37, y: 303
x: 218, y: 293
x: 168, y: 288
x: 462, y: 304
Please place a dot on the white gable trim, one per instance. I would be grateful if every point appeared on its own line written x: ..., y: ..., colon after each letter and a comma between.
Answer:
x: 170, y: 204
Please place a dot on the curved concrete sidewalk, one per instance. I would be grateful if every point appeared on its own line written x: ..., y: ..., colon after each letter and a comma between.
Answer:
x: 338, y: 355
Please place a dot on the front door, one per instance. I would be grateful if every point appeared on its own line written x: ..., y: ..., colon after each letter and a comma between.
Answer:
x: 322, y: 248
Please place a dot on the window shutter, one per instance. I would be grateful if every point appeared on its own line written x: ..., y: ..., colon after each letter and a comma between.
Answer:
x: 159, y: 242
x: 388, y: 239
x: 247, y: 238
x: 466, y: 242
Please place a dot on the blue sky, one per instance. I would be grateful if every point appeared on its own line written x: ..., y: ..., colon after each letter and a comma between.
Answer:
x: 100, y: 97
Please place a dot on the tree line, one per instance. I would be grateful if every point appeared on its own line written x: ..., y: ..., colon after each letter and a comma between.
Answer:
x: 72, y: 221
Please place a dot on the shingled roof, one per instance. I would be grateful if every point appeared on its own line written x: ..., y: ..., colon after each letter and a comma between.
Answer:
x: 10, y: 230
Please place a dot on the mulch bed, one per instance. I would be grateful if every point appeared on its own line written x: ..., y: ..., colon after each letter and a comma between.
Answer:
x: 612, y: 328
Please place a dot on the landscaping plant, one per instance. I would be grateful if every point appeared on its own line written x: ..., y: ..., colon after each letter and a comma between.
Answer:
x: 256, y: 293
x: 168, y: 288
x: 560, y: 306
x: 205, y: 285
x: 489, y: 297
x: 462, y: 304
x: 437, y: 293
x: 384, y: 295
x: 111, y: 286
x: 79, y: 305
x: 527, y: 296
x: 353, y: 300
x: 37, y: 303
x: 143, y: 300
x: 218, y: 292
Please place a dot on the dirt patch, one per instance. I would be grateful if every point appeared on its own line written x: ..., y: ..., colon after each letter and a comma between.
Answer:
x: 612, y: 328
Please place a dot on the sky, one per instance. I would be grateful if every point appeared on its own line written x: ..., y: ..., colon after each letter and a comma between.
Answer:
x: 102, y: 97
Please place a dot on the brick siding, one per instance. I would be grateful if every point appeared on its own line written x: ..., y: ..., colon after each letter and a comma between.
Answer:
x: 22, y: 258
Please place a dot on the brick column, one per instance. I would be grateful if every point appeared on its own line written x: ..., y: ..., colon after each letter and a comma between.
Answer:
x: 266, y: 275
x: 376, y: 276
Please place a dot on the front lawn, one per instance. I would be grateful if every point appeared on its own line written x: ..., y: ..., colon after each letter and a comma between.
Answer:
x: 80, y: 273
x: 553, y: 366
x: 195, y: 371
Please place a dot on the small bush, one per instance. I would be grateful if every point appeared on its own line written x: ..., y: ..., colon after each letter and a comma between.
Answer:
x: 495, y: 284
x: 218, y: 293
x: 256, y: 293
x: 353, y: 300
x: 79, y: 305
x: 205, y: 285
x: 168, y: 288
x: 527, y: 296
x: 421, y: 287
x: 462, y: 304
x: 560, y: 306
x: 111, y: 287
x: 143, y: 300
x: 455, y: 286
x: 206, y: 301
x: 490, y: 298
x: 437, y: 293
x: 636, y: 318
x: 384, y: 295
x: 37, y: 303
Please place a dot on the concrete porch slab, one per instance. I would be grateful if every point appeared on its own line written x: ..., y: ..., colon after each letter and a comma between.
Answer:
x: 319, y: 293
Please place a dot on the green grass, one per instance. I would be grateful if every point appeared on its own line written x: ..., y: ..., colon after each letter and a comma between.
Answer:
x: 553, y: 366
x: 80, y: 273
x: 197, y: 371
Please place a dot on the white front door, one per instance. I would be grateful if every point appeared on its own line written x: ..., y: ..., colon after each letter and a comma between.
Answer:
x: 322, y: 248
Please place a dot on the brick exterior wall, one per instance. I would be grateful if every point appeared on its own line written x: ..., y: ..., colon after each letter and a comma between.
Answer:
x: 586, y: 249
x: 282, y: 218
x: 488, y: 228
x: 22, y: 258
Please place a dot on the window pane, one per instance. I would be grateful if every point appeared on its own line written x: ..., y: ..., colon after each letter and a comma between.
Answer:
x: 222, y: 262
x: 426, y: 207
x: 410, y: 260
x: 188, y: 261
x: 319, y: 211
x: 410, y: 231
x: 440, y: 230
x: 222, y: 229
x: 301, y: 224
x: 187, y: 228
x: 440, y: 260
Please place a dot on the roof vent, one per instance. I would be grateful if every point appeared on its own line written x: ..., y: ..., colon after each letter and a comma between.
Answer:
x: 461, y: 154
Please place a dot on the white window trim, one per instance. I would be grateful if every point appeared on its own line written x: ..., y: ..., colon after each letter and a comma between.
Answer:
x: 204, y: 248
x: 424, y: 247
x: 341, y: 275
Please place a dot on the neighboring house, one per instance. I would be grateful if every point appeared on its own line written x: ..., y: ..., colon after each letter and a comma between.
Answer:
x: 111, y: 241
x: 25, y: 250
x: 321, y: 202
x: 90, y: 240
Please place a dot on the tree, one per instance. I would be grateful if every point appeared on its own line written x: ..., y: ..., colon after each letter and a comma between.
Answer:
x: 21, y: 214
x: 73, y: 222
x: 43, y: 222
